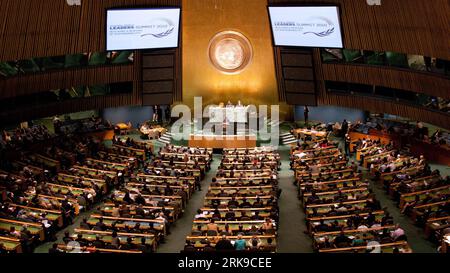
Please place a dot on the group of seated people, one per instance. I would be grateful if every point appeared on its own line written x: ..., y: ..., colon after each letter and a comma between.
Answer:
x: 130, y: 143
x: 137, y: 216
x: 37, y: 201
x: 342, y: 212
x: 438, y: 103
x: 422, y: 194
x: 240, y: 211
x: 389, y: 127
x: 180, y: 162
x: 44, y: 187
x: 23, y: 137
x: 409, y: 132
x: 80, y: 126
x: 439, y: 138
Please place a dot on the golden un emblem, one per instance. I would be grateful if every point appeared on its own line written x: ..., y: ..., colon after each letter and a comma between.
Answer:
x: 230, y: 52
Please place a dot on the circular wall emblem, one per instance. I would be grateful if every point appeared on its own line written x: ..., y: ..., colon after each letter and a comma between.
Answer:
x: 230, y: 52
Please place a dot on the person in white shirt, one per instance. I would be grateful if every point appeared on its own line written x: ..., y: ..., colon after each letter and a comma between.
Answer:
x: 397, y: 232
x: 363, y: 227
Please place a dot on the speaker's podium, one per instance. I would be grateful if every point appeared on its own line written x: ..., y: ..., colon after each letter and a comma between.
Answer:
x: 222, y: 141
x: 229, y: 129
x: 224, y: 136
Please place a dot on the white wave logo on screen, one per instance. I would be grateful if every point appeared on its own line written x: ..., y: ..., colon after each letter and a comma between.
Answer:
x: 318, y: 26
x: 324, y: 23
x: 160, y: 28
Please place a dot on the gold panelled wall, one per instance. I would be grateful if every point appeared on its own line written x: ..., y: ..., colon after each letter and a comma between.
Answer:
x: 202, y: 20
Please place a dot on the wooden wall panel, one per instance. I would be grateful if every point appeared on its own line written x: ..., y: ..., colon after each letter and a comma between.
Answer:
x: 159, y: 80
x: 39, y: 28
x: 39, y: 82
x: 295, y: 75
x: 427, y: 83
x: 406, y: 26
x: 47, y: 110
x: 387, y: 106
x: 376, y: 105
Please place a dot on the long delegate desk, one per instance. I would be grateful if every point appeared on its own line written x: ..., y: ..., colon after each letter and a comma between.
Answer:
x: 221, y: 142
x: 402, y: 246
x: 34, y: 228
x: 12, y: 245
x: 145, y: 206
x: 52, y: 215
x: 324, y: 196
x: 330, y: 185
x: 55, y: 199
x: 238, y: 212
x: 268, y: 242
x: 406, y: 186
x: 83, y: 182
x: 434, y: 227
x: 106, y: 237
x: 341, y: 220
x: 145, y: 224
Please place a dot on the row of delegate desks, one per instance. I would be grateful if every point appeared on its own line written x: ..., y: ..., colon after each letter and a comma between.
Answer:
x: 107, y: 209
x: 436, y: 153
x: 128, y: 151
x: 79, y: 180
x: 33, y: 214
x: 258, y: 188
x: 424, y: 187
x: 65, y: 186
x: 106, y: 237
x: 152, y: 229
x: 326, y: 192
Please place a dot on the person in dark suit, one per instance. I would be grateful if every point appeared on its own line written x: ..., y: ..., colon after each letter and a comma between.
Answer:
x: 230, y: 215
x: 144, y: 247
x: 100, y: 226
x: 129, y: 245
x: 189, y: 247
x: 306, y: 114
x: 53, y: 250
x: 98, y: 243
x: 342, y: 240
x: 224, y: 244
x: 344, y: 127
x: 2, y: 249
x: 80, y: 240
x: 66, y: 239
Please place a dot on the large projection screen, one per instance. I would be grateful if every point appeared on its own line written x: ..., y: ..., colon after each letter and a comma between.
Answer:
x: 306, y: 26
x: 130, y: 29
